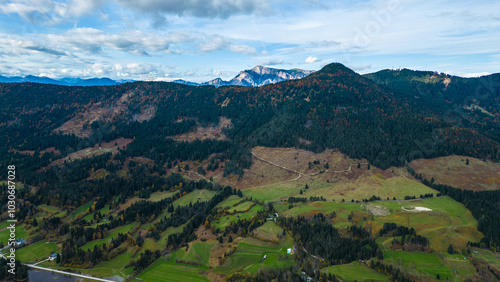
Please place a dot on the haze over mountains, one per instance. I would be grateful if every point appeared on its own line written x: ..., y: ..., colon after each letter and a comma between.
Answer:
x: 63, y: 81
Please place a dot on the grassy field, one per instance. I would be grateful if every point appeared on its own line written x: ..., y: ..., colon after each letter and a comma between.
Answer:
x: 354, y: 272
x: 114, y: 266
x: 158, y: 196
x: 368, y: 185
x: 487, y: 256
x: 281, y: 191
x: 103, y: 212
x: 428, y: 265
x: 268, y: 231
x: 343, y: 210
x: 227, y: 219
x: 83, y: 208
x: 150, y: 243
x: 37, y: 251
x: 193, y: 197
x: 242, y: 207
x: 230, y: 201
x: 249, y: 254
x: 111, y: 235
x: 447, y: 222
x: 168, y: 270
x: 21, y: 232
x: 197, y: 252
x: 454, y: 171
x: 50, y: 209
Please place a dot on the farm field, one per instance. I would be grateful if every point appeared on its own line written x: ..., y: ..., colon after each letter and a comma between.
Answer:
x: 38, y: 251
x: 21, y: 232
x: 113, y: 267
x: 249, y: 256
x: 429, y: 265
x: 168, y: 270
x: 354, y: 271
x: 268, y: 231
x: 197, y: 252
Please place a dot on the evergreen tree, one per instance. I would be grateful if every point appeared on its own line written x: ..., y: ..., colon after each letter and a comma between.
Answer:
x: 450, y: 249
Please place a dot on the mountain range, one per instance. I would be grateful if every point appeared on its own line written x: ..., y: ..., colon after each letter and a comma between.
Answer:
x: 63, y: 81
x: 255, y: 77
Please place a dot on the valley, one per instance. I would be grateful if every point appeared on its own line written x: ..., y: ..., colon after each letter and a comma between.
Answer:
x: 332, y: 177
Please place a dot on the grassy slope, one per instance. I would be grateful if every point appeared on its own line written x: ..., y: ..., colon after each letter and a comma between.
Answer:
x: 193, y: 197
x: 82, y: 208
x: 249, y: 254
x: 168, y: 270
x: 111, y: 235
x: 354, y: 272
x: 448, y: 222
x: 226, y: 220
x: 37, y: 251
x: 428, y: 265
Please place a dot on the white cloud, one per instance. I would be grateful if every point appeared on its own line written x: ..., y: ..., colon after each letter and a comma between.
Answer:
x: 242, y: 49
x: 49, y: 11
x: 310, y: 60
x: 272, y: 62
x: 213, y: 43
x: 92, y: 40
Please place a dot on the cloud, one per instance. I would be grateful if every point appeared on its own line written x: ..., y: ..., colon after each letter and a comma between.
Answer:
x: 361, y: 68
x: 310, y: 60
x: 45, y: 50
x: 92, y: 40
x: 199, y: 8
x: 243, y: 49
x: 213, y: 43
x: 49, y: 11
x: 16, y: 45
x: 325, y: 43
x: 271, y: 62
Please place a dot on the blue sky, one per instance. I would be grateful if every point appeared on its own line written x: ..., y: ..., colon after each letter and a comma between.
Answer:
x: 198, y: 40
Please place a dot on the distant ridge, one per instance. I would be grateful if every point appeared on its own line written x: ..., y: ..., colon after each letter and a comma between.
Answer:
x: 104, y: 81
x: 257, y: 76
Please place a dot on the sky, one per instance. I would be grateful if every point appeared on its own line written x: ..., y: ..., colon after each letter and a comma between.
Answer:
x: 199, y: 40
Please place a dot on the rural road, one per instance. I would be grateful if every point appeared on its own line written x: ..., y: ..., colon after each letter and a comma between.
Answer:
x: 67, y: 273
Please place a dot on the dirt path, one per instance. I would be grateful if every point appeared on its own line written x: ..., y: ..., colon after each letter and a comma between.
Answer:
x: 300, y: 173
x: 277, y: 165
